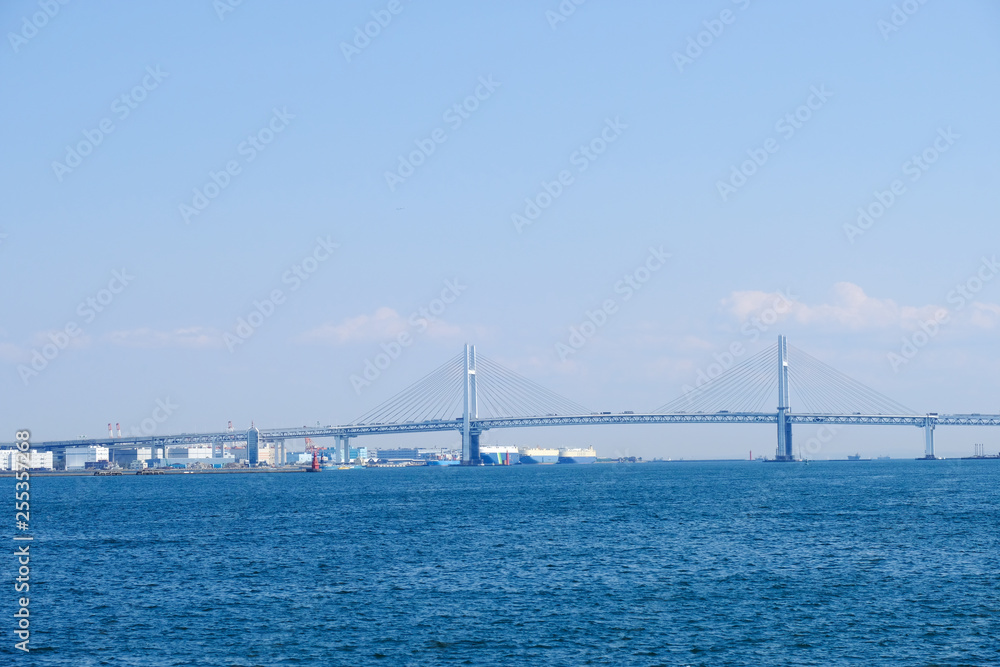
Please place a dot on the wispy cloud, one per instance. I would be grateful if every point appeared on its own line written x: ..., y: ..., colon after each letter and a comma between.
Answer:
x: 13, y: 354
x: 60, y: 339
x: 40, y: 343
x: 849, y: 307
x: 384, y: 324
x: 985, y: 315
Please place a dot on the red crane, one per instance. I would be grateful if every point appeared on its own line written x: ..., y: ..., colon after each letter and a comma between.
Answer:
x: 315, y: 452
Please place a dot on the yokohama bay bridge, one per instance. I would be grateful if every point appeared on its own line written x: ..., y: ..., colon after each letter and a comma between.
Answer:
x: 471, y: 395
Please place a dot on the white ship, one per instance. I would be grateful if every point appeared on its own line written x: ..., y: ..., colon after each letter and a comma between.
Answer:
x: 530, y: 455
x: 577, y: 455
x: 499, y: 455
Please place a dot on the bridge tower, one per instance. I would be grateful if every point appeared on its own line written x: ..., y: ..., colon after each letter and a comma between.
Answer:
x: 784, y: 426
x: 470, y: 437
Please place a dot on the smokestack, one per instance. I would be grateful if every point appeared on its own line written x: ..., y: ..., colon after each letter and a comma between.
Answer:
x: 110, y: 432
x: 118, y: 428
x: 230, y: 425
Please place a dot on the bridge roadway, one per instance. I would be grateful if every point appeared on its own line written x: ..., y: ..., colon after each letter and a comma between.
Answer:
x: 483, y: 424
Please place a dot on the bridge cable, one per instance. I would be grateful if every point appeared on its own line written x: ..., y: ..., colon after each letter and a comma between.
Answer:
x: 405, y: 401
x: 836, y: 392
x: 744, y: 386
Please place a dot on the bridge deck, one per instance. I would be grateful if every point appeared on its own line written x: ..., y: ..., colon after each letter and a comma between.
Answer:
x: 354, y: 430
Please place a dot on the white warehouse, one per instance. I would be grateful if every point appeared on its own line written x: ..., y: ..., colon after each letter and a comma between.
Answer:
x: 78, y: 457
x: 196, y: 452
x: 37, y: 460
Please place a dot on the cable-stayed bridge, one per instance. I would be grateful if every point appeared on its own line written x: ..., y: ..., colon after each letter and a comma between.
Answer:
x: 471, y: 394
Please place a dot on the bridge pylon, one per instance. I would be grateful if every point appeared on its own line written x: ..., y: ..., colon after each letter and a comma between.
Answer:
x: 470, y: 411
x: 784, y: 452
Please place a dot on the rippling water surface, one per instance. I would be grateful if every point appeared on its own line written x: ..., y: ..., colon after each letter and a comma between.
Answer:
x: 728, y: 563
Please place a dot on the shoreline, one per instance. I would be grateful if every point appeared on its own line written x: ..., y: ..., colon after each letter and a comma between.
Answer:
x: 134, y: 473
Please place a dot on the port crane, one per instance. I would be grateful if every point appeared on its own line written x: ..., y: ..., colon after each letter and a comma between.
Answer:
x: 315, y: 452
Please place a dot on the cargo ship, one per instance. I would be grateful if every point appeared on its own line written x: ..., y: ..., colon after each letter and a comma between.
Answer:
x: 571, y: 455
x: 537, y: 455
x: 499, y: 455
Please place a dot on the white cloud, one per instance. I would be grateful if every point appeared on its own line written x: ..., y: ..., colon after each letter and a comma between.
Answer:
x: 848, y: 308
x: 60, y: 339
x: 384, y: 324
x: 22, y: 354
x: 743, y: 304
x: 13, y: 354
x: 985, y: 315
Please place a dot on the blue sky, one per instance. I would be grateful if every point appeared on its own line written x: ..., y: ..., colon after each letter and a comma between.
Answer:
x: 309, y: 127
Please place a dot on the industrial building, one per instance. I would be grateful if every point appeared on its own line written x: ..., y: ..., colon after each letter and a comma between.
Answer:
x: 126, y: 457
x: 399, y: 454
x: 196, y: 452
x: 407, y: 454
x: 76, y: 458
x: 265, y: 454
x: 36, y: 460
x: 139, y: 457
x: 354, y: 453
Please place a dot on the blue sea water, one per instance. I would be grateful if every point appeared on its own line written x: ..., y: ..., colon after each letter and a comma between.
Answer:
x: 717, y: 563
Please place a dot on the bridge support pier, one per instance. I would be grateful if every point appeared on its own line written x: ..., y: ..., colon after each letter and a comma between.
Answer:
x: 929, y: 439
x: 784, y: 437
x: 344, y: 448
x: 474, y: 446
